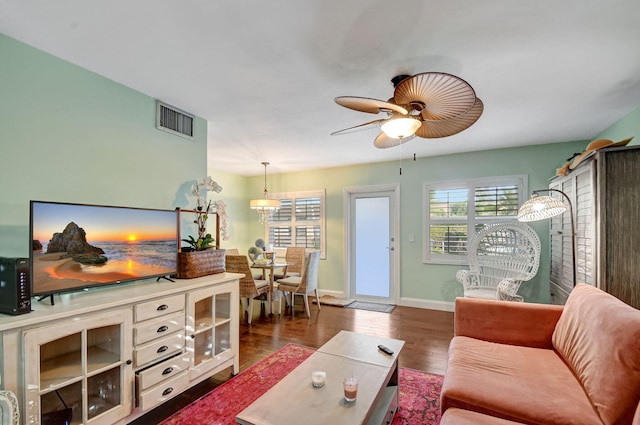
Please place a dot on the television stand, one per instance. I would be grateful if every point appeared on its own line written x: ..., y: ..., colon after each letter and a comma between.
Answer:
x: 112, y: 340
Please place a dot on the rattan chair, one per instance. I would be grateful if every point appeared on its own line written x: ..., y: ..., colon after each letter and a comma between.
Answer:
x: 250, y: 288
x: 507, y: 289
x: 294, y: 257
x: 304, y: 284
x: 501, y: 256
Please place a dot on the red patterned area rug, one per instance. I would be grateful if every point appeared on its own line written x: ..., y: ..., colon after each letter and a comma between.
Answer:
x: 419, y: 392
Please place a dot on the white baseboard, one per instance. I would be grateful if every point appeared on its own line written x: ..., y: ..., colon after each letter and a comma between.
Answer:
x: 428, y: 304
x: 406, y: 302
x: 336, y: 294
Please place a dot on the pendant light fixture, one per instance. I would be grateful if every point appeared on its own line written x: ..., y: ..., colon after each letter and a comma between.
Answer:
x: 264, y: 206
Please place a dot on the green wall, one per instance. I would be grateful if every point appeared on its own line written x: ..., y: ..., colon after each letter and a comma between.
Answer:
x: 236, y: 197
x: 70, y: 135
x: 419, y: 282
x: 623, y: 128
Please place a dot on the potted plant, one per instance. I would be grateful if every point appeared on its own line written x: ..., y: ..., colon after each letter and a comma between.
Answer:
x: 199, y: 257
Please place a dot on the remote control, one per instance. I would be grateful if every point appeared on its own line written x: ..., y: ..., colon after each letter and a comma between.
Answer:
x: 385, y: 349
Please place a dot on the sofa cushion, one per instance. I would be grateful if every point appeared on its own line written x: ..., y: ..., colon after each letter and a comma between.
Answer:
x: 522, y: 384
x: 467, y: 417
x: 599, y: 338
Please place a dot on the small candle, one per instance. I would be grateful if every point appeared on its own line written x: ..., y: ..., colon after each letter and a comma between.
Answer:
x: 318, y: 378
x: 350, y: 385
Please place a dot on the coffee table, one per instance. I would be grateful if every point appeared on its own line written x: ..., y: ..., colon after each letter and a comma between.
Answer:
x: 294, y: 400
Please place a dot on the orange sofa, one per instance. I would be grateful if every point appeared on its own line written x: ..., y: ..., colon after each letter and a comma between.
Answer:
x: 526, y: 363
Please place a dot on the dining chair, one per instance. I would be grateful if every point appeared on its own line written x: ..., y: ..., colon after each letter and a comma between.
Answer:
x: 294, y: 257
x: 304, y: 284
x: 250, y: 288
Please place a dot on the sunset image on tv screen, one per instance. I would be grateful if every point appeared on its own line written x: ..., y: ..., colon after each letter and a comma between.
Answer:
x: 76, y: 246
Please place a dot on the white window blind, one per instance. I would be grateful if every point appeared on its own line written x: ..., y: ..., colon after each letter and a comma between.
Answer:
x: 300, y: 221
x: 453, y: 211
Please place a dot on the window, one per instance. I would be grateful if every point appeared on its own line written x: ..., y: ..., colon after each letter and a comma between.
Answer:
x: 453, y: 211
x: 299, y: 221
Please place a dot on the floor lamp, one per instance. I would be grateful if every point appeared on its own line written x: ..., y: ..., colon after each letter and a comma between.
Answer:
x: 542, y: 207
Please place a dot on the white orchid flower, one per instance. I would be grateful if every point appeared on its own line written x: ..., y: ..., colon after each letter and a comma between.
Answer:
x: 204, y: 209
x: 212, y: 185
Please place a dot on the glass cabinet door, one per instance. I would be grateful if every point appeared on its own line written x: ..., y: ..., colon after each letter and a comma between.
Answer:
x: 210, y: 328
x: 222, y: 323
x: 79, y: 371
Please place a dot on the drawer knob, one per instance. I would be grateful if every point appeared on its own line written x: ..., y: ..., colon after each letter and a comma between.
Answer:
x: 162, y: 329
x: 167, y: 391
x: 162, y: 349
x: 129, y: 362
x: 162, y: 307
x: 167, y: 371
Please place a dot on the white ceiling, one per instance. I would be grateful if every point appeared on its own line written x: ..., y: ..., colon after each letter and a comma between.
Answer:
x: 264, y: 73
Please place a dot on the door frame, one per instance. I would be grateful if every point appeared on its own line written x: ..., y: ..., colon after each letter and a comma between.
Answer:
x: 395, y: 230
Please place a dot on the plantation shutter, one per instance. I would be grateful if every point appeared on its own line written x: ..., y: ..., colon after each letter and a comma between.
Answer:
x: 299, y: 221
x: 455, y: 211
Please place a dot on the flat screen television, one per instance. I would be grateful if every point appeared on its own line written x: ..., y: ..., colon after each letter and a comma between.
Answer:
x: 78, y: 246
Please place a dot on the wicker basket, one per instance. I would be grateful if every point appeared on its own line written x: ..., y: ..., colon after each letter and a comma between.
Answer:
x: 200, y: 263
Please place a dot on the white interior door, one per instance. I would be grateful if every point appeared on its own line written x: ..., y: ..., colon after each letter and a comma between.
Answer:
x: 372, y: 269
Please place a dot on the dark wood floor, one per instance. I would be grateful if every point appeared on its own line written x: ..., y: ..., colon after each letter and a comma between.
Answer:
x: 426, y: 333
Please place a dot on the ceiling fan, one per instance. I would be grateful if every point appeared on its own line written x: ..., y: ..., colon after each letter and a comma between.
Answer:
x: 428, y: 105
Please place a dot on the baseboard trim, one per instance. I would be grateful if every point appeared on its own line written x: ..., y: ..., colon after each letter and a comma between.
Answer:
x: 428, y: 304
x: 406, y: 302
x: 336, y: 294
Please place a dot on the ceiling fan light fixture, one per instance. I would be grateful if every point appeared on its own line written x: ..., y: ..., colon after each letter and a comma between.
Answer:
x: 429, y: 105
x: 399, y: 128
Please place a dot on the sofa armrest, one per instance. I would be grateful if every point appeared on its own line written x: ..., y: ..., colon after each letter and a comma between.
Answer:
x: 506, y: 322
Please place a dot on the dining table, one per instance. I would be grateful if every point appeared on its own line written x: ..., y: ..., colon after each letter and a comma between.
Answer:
x: 271, y: 266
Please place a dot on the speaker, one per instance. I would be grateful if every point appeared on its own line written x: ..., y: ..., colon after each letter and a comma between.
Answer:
x: 15, y: 286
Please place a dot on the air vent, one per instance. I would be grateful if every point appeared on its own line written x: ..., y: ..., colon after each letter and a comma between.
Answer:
x: 173, y: 120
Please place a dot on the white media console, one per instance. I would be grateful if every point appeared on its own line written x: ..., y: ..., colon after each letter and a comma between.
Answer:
x: 109, y: 355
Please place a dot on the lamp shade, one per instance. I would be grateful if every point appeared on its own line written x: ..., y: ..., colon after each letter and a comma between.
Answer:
x: 399, y: 128
x: 540, y: 208
x: 264, y: 204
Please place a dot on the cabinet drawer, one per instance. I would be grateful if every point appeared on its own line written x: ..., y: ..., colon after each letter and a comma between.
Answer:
x: 163, y: 392
x: 147, y: 331
x: 162, y: 371
x: 158, y: 349
x: 159, y: 307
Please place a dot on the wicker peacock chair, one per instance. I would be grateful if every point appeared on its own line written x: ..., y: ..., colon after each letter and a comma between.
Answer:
x: 501, y: 256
